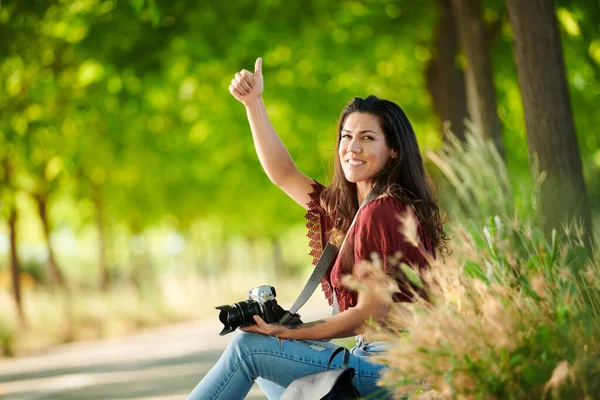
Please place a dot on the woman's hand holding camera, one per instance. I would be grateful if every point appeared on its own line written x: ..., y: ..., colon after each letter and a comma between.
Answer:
x: 247, y: 86
x: 266, y: 329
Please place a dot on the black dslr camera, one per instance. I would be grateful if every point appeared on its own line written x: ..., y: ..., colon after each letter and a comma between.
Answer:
x: 260, y: 301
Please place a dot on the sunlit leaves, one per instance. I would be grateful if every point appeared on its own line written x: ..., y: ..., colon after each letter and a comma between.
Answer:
x: 114, y: 84
x: 90, y: 71
x: 133, y: 96
x: 569, y: 22
x: 53, y: 168
x: 14, y: 84
x: 594, y: 50
x: 188, y: 88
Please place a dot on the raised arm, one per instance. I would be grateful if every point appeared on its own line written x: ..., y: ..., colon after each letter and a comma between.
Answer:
x: 247, y: 87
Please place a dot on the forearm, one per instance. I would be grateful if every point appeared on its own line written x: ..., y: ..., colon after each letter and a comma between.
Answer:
x: 347, y: 323
x: 272, y: 153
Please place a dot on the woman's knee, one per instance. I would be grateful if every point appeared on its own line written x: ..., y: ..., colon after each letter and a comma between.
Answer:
x: 244, y: 343
x: 252, y: 350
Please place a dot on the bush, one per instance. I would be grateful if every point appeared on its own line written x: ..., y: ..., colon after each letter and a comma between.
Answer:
x: 509, y: 313
x: 500, y: 324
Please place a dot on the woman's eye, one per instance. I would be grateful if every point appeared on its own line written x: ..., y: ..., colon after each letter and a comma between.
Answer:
x: 368, y: 137
x: 346, y: 136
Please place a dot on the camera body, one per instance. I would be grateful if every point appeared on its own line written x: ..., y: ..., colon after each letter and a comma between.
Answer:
x: 259, y: 301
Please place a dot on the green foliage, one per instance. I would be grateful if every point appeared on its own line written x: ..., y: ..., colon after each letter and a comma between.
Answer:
x: 412, y: 275
x: 567, y: 330
x: 128, y: 100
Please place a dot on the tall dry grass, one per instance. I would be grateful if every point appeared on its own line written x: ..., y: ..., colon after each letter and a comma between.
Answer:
x: 528, y: 329
x: 509, y: 315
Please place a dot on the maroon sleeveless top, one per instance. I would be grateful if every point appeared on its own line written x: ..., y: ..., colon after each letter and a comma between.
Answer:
x: 376, y: 229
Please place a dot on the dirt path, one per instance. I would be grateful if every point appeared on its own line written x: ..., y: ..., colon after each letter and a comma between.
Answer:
x: 159, y: 364
x: 163, y: 363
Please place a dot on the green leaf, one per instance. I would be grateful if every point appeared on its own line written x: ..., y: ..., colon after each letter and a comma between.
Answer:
x: 475, y: 270
x: 474, y: 231
x: 533, y: 263
x: 526, y: 287
x: 412, y: 275
x: 492, y: 226
x: 137, y: 5
x: 154, y: 12
x: 517, y: 359
x: 554, y: 249
x: 530, y: 375
x: 576, y: 258
x: 537, y: 237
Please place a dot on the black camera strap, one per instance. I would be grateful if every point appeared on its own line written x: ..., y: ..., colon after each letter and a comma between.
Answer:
x: 327, y: 257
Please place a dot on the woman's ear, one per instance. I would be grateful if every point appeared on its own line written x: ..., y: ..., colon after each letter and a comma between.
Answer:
x: 394, y: 154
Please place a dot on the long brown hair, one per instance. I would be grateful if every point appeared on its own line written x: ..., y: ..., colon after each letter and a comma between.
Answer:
x: 403, y: 177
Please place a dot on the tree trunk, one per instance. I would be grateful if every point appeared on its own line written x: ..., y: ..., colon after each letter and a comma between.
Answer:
x: 15, y: 267
x: 54, y: 273
x: 481, y: 97
x: 445, y: 82
x: 102, y: 265
x: 548, y: 115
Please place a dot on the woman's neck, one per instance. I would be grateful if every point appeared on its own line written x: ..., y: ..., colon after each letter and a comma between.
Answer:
x: 362, y: 190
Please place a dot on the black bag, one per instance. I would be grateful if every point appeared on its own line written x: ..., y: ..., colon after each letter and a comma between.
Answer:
x: 335, y: 384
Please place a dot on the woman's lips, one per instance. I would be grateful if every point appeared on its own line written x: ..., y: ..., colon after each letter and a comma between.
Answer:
x: 355, y: 163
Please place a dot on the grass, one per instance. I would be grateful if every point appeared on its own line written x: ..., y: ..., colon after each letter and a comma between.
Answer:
x: 511, y: 314
x: 525, y: 329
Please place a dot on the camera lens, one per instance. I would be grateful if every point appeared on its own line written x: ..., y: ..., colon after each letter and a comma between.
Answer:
x: 238, y: 315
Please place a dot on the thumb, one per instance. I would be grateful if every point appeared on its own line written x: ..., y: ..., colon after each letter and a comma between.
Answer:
x: 258, y: 66
x: 260, y: 322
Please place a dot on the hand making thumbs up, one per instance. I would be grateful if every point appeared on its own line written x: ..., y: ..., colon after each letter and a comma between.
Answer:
x: 247, y: 86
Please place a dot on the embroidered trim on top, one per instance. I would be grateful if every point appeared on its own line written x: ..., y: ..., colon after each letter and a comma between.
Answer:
x: 315, y: 224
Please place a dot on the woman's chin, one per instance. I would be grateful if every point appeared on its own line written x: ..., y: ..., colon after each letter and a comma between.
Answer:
x: 355, y: 179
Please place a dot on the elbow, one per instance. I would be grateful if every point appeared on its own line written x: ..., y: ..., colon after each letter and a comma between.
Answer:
x: 281, y: 176
x: 374, y: 314
x: 276, y: 180
x: 359, y: 330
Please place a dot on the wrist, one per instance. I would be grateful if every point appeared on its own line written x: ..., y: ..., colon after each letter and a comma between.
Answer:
x: 253, y: 103
x: 285, y: 333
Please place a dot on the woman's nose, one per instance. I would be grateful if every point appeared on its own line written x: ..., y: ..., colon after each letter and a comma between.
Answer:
x: 354, y: 146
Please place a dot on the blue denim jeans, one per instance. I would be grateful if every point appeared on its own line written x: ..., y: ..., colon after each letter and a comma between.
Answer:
x: 274, y: 365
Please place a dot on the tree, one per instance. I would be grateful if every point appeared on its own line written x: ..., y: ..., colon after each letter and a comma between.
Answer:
x: 548, y: 114
x: 446, y: 82
x: 481, y: 96
x: 9, y: 209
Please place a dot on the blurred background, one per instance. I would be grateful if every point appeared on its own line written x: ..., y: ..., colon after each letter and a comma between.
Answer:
x: 130, y: 191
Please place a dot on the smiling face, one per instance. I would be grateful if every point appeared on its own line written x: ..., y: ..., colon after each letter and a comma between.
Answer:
x: 363, y: 149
